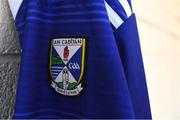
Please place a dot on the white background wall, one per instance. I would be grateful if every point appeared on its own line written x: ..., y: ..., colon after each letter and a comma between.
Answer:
x: 159, y: 28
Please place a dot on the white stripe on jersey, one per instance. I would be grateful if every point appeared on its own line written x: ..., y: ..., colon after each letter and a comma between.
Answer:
x: 14, y: 6
x: 113, y: 16
x: 126, y: 7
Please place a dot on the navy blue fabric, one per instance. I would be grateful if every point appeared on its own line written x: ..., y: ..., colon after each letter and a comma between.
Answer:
x: 108, y: 94
x: 129, y: 48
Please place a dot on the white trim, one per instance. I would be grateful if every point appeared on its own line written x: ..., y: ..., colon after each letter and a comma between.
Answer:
x: 133, y: 6
x: 126, y: 7
x: 14, y: 6
x: 113, y: 16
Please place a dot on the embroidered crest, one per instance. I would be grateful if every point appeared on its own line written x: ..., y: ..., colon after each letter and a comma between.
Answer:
x: 67, y: 58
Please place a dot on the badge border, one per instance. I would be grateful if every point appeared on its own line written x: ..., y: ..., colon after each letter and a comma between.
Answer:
x: 82, y: 64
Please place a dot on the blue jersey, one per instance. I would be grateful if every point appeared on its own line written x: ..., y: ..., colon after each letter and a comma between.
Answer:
x: 80, y: 59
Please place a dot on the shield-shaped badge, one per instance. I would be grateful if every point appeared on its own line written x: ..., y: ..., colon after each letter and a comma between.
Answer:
x: 67, y: 58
